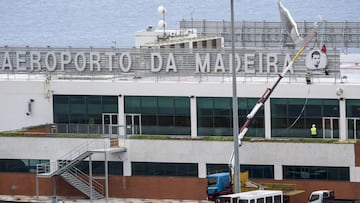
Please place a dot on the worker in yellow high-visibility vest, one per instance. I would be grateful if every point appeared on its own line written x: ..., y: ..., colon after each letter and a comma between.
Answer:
x: 313, y: 130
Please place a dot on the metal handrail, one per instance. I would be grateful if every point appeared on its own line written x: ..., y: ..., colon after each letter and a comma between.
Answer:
x: 53, y: 166
x: 83, y: 177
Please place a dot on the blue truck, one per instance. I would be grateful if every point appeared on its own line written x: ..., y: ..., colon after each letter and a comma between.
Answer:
x: 219, y: 184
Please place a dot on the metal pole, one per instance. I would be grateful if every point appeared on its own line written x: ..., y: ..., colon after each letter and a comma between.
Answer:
x: 91, y: 179
x: 235, y: 107
x: 37, y: 187
x: 106, y: 178
x: 54, y: 190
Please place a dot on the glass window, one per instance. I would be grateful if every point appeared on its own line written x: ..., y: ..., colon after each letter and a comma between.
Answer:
x: 61, y: 104
x: 61, y: 118
x: 353, y: 108
x: 20, y: 165
x: 278, y: 199
x: 77, y: 104
x: 293, y: 117
x: 166, y: 105
x: 161, y: 115
x: 182, y: 106
x: 78, y: 118
x: 205, y: 106
x: 222, y: 107
x: 83, y: 109
x: 278, y: 108
x: 166, y: 121
x: 216, y: 168
x: 164, y: 169
x: 331, y: 108
x: 215, y: 116
x: 94, y: 118
x: 94, y: 104
x: 313, y: 108
x: 242, y: 106
x: 182, y: 121
x: 316, y: 173
x: 295, y: 107
x: 260, y: 200
x: 149, y: 105
x: 314, y: 197
x: 258, y: 171
x: 132, y: 104
x: 110, y: 104
x: 98, y: 167
x: 255, y: 171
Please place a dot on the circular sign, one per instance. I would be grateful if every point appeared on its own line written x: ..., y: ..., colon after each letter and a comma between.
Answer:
x: 316, y: 60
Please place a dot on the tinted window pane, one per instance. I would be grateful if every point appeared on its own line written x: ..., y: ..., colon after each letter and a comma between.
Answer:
x: 61, y: 104
x: 77, y: 104
x: 182, y: 106
x: 132, y: 104
x: 166, y: 105
x: 20, y: 165
x: 222, y: 106
x: 149, y: 105
x: 353, y: 108
x: 216, y: 168
x: 293, y: 117
x: 316, y: 173
x: 94, y: 104
x: 98, y: 167
x: 83, y: 109
x: 164, y: 169
x: 110, y: 104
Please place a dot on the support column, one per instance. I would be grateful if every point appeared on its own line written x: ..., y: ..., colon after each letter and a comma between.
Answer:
x: 267, y: 117
x: 121, y: 114
x: 342, y: 121
x: 127, y: 163
x: 278, y: 172
x: 202, y: 170
x: 193, y: 116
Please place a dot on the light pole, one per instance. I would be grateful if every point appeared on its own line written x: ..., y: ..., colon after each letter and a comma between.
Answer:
x: 235, y: 107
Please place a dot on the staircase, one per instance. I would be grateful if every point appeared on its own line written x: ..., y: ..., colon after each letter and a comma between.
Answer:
x: 65, y: 167
x: 80, y: 180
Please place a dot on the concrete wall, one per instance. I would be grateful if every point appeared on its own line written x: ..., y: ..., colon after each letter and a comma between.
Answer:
x: 191, y: 151
x: 188, y: 151
x: 17, y: 92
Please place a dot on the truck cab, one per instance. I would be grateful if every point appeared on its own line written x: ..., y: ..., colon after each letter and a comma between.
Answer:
x: 218, y: 184
x: 321, y: 196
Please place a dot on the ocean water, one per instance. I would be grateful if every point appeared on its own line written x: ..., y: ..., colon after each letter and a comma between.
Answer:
x: 97, y: 23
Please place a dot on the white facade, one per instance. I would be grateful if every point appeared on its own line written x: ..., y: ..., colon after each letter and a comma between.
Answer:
x: 17, y: 93
x: 193, y: 151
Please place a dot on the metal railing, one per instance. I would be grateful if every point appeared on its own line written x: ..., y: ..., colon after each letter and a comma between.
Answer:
x: 81, y: 181
x: 77, y: 154
x: 270, y: 34
x: 78, y: 128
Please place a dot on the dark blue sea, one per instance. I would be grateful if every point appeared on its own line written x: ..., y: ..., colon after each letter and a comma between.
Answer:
x: 84, y: 23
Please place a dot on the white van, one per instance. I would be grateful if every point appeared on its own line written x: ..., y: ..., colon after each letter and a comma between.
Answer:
x: 256, y: 196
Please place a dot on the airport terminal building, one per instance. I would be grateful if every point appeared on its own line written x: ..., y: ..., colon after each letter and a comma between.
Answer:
x: 180, y: 85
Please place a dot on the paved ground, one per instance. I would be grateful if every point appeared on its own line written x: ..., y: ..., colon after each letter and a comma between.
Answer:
x: 43, y: 199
